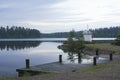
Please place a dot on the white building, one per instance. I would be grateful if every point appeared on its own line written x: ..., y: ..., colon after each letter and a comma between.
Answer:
x: 87, y: 35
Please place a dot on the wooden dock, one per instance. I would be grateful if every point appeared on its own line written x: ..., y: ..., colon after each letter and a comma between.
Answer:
x: 52, y: 67
x: 61, y: 67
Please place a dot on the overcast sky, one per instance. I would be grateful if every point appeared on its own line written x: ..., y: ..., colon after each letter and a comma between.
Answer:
x: 60, y: 15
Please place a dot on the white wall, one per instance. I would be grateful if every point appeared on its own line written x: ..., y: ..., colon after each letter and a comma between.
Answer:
x: 87, y: 37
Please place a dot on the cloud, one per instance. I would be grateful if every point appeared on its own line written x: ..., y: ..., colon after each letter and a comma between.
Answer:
x: 4, y: 6
x: 62, y: 22
x: 93, y: 9
x: 59, y: 13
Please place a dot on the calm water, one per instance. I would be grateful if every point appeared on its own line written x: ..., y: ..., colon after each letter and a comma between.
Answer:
x: 13, y: 55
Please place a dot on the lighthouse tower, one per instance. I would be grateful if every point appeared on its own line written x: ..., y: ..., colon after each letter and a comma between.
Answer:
x: 87, y: 35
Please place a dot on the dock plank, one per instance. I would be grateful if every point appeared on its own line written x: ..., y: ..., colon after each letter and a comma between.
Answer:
x: 53, y: 67
x: 58, y: 67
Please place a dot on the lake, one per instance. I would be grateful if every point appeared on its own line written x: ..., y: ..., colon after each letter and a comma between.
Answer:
x: 14, y: 53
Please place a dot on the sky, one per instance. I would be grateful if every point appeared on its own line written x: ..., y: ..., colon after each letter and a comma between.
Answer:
x: 60, y: 15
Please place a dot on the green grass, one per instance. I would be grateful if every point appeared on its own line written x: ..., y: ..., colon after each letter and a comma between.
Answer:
x: 104, y: 46
x: 94, y: 68
x: 108, y: 66
x: 3, y: 78
x: 27, y: 74
x: 7, y: 77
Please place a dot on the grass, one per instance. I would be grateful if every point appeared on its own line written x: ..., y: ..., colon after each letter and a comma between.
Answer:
x: 8, y: 77
x: 27, y: 74
x: 94, y: 68
x: 111, y: 65
x: 104, y: 46
x: 3, y: 78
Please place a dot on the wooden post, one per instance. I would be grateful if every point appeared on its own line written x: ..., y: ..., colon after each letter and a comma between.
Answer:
x: 111, y: 56
x: 60, y: 58
x: 27, y: 64
x: 79, y: 57
x: 94, y: 61
x: 97, y: 52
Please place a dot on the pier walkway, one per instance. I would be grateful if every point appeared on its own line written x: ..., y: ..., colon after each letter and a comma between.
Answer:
x: 53, y: 67
x: 62, y: 67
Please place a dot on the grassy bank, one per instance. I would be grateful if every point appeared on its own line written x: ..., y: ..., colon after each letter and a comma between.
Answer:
x: 104, y: 46
x: 94, y: 68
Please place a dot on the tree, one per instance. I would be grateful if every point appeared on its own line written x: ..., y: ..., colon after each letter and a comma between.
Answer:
x: 71, y: 38
x: 74, y: 46
x: 79, y: 44
x: 18, y: 32
x: 117, y: 41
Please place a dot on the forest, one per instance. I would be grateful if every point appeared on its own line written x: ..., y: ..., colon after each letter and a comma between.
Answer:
x: 100, y: 32
x: 106, y: 32
x: 21, y: 32
x: 18, y: 32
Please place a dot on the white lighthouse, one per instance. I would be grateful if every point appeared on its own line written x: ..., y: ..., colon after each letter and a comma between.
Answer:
x: 87, y: 35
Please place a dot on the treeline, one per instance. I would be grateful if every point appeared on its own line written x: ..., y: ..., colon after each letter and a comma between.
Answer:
x: 59, y: 35
x: 101, y: 32
x: 106, y: 32
x: 18, y: 32
x: 55, y: 35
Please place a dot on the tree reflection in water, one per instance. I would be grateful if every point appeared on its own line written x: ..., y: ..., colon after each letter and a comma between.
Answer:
x: 18, y: 45
x: 74, y: 47
x: 74, y: 54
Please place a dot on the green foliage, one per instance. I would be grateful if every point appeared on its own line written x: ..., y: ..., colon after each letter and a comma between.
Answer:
x: 72, y: 34
x: 117, y: 41
x: 70, y: 41
x: 71, y: 37
x: 55, y: 35
x: 81, y: 42
x: 106, y: 32
x: 18, y: 32
x: 59, y: 35
x: 73, y: 45
x: 101, y: 32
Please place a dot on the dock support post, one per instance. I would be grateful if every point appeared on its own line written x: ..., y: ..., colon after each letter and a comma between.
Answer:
x: 27, y: 63
x: 111, y: 56
x: 79, y: 58
x: 94, y: 61
x: 60, y: 58
x: 97, y: 52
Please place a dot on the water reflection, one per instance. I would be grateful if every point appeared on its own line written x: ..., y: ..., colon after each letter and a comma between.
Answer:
x: 18, y: 45
x: 76, y: 54
x: 74, y: 57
